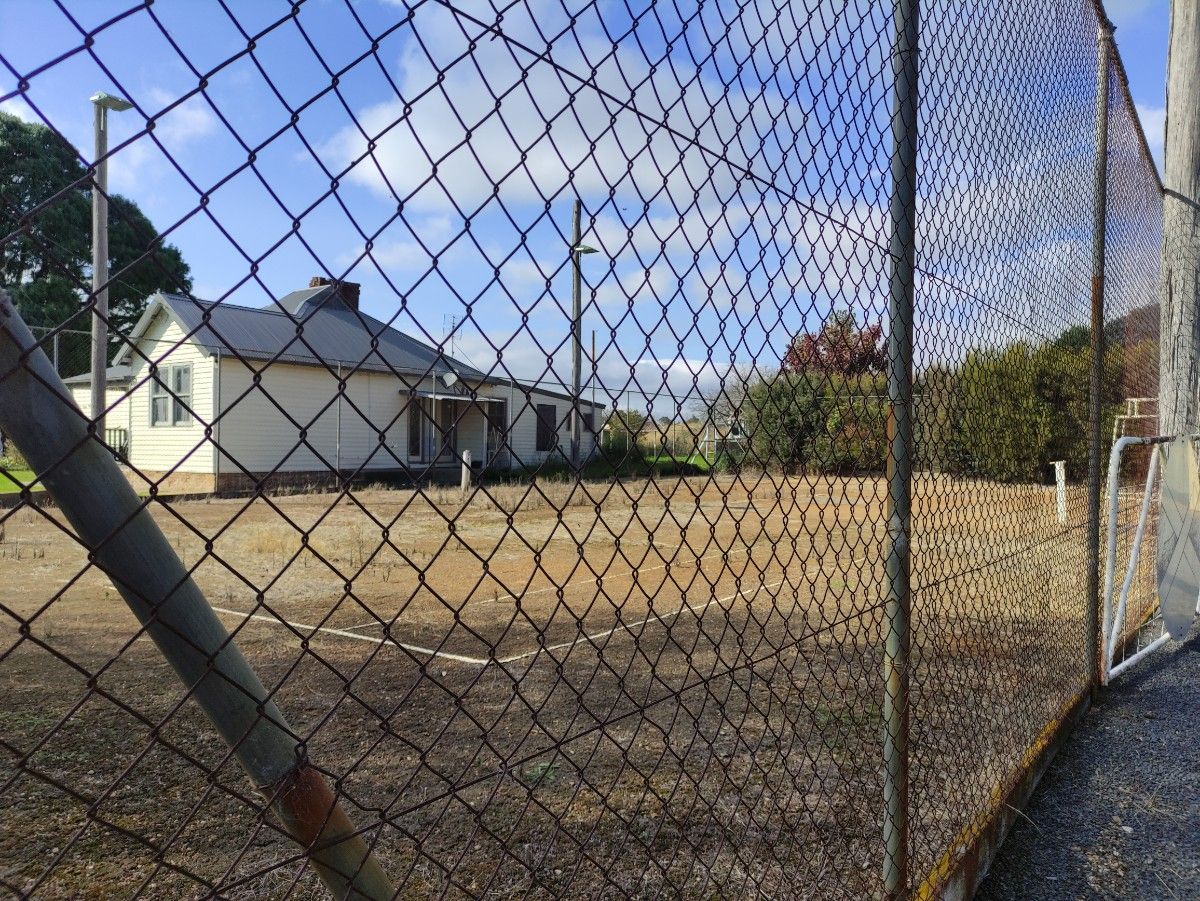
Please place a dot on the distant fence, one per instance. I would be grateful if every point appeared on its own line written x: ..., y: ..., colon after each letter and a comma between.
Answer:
x: 761, y: 330
x: 69, y: 350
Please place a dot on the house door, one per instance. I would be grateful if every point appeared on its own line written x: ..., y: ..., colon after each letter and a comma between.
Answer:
x: 446, y: 432
x: 497, y: 428
x: 433, y: 430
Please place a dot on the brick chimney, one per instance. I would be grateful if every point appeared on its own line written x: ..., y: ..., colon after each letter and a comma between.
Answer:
x: 347, y: 292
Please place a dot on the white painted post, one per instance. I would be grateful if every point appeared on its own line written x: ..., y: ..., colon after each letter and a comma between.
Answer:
x: 1060, y: 490
x: 465, y: 481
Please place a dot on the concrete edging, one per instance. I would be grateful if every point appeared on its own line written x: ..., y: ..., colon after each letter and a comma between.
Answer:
x: 964, y: 865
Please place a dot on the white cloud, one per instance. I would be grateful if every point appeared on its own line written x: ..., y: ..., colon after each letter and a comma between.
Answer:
x: 189, y: 121
x: 639, y: 285
x: 694, y: 257
x: 14, y: 106
x: 479, y: 116
x: 180, y: 131
x: 408, y: 255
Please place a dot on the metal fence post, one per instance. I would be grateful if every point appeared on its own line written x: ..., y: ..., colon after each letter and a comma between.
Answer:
x: 1096, y: 374
x: 902, y: 251
x: 126, y: 543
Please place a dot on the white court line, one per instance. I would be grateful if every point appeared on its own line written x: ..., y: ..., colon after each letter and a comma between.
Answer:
x: 629, y: 627
x: 486, y: 661
x: 574, y: 582
x: 344, y: 634
x: 640, y: 569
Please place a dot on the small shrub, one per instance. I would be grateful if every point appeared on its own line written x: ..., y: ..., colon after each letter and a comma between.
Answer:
x: 12, y: 458
x: 730, y: 461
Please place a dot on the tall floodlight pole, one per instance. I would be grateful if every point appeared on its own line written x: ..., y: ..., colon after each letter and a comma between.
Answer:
x: 102, y: 103
x: 577, y: 250
x: 1179, y: 287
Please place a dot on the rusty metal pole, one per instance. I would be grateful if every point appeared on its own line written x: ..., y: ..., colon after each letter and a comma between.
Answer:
x: 1091, y: 616
x: 902, y: 250
x: 122, y: 537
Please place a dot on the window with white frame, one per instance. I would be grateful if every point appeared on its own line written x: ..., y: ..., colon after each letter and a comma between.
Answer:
x: 171, y: 395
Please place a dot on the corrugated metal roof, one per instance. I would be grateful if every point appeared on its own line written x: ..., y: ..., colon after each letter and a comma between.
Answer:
x: 114, y: 375
x: 332, y: 333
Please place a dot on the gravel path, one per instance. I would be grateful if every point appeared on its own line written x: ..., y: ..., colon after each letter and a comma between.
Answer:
x: 1118, y: 813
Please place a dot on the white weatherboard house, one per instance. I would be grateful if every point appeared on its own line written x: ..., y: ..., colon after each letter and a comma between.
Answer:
x: 271, y: 400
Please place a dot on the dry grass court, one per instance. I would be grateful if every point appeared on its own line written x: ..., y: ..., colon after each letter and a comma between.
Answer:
x: 594, y: 684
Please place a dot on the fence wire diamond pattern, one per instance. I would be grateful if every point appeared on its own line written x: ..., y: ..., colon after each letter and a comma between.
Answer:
x: 498, y: 482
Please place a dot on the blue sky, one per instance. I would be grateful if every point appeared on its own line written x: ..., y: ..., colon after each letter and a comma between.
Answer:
x: 739, y: 196
x: 1142, y: 27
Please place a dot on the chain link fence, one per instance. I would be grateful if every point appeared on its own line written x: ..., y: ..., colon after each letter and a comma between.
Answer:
x: 589, y: 450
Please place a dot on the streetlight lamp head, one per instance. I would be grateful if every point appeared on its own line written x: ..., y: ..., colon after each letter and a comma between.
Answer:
x: 583, y: 248
x: 111, y: 101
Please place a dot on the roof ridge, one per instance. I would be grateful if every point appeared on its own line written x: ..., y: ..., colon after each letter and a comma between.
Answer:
x: 225, y: 304
x: 362, y: 323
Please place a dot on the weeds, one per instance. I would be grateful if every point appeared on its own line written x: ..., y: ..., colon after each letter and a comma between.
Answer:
x: 546, y: 772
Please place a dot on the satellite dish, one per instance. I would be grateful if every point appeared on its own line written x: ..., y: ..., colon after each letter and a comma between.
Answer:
x: 450, y: 379
x: 1179, y: 538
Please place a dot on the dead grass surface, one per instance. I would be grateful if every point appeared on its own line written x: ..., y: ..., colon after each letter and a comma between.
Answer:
x: 677, y: 691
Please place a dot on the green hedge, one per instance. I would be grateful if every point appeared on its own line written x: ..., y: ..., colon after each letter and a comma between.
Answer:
x: 1001, y: 413
x: 817, y: 422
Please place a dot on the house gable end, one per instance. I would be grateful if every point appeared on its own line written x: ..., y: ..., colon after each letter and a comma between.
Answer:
x: 156, y: 319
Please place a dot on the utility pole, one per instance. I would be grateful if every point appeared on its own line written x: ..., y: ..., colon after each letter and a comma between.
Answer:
x: 1179, y: 290
x: 102, y: 103
x: 594, y: 423
x: 577, y: 250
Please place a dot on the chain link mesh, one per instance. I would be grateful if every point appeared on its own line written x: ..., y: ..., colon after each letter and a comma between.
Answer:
x: 633, y: 644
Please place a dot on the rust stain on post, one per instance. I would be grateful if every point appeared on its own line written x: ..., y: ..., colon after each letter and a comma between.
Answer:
x: 891, y: 438
x: 311, y: 814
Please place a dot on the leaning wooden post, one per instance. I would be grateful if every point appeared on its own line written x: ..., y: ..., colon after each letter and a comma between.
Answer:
x: 122, y: 537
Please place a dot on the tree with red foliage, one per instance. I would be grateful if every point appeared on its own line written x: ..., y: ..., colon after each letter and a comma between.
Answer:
x: 840, y: 346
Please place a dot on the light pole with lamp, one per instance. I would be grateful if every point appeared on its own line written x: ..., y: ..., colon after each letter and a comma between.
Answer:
x: 578, y: 249
x: 103, y: 103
